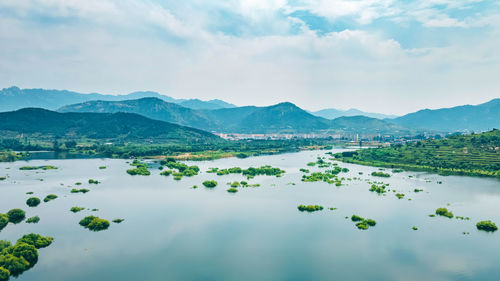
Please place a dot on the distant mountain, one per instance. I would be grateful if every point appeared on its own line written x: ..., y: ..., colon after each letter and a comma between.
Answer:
x: 482, y: 117
x: 280, y: 118
x: 101, y: 126
x: 211, y: 104
x: 332, y: 113
x: 14, y: 98
x: 153, y: 108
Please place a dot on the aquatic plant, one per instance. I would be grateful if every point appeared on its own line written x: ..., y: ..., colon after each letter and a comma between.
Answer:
x: 83, y: 190
x: 356, y: 218
x: 488, y: 226
x: 94, y: 223
x: 310, y: 208
x: 49, y: 197
x: 33, y: 201
x: 380, y: 174
x: 16, y: 215
x: 4, y: 220
x: 102, y: 167
x: 36, y: 240
x: 38, y: 168
x: 444, y: 212
x: 380, y: 189
x: 414, y: 228
x: 118, y: 220
x: 400, y: 195
x: 141, y: 170
x: 34, y: 219
x: 210, y: 184
x: 232, y: 190
x: 92, y: 181
x: 76, y: 209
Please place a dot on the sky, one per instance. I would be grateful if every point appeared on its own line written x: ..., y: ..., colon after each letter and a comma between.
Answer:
x: 387, y: 56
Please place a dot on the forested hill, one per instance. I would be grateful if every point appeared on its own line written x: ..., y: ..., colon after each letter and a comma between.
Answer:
x: 476, y: 154
x: 481, y: 117
x: 97, y: 126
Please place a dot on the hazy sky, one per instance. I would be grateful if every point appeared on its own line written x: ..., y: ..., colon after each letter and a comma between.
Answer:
x: 389, y: 56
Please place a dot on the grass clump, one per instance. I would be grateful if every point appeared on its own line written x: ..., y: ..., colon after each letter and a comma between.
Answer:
x: 49, y: 197
x: 4, y: 220
x: 33, y: 201
x: 83, y: 190
x: 309, y: 208
x: 34, y: 219
x: 444, y: 213
x: 232, y: 190
x: 76, y: 209
x: 210, y: 184
x: 381, y: 174
x: 487, y: 226
x: 362, y: 223
x: 16, y: 215
x: 94, y: 223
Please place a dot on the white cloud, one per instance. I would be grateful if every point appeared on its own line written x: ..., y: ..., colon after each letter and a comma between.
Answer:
x: 114, y: 48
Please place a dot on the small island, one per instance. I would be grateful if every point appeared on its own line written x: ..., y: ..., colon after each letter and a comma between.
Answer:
x: 487, y: 226
x: 93, y: 223
x: 210, y: 184
x: 49, y: 197
x: 33, y: 201
x: 309, y: 208
x: 444, y: 213
x: 16, y: 215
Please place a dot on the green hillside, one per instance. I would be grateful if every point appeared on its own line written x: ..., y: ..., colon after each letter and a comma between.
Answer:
x: 44, y: 124
x: 477, y: 154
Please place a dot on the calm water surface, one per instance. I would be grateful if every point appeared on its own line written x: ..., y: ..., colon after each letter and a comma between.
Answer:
x: 174, y: 232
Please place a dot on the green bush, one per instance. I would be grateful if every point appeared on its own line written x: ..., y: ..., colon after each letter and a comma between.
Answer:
x: 141, y: 170
x: 4, y: 274
x: 487, y: 226
x: 76, y: 209
x: 36, y: 240
x: 34, y: 219
x: 83, y: 190
x: 232, y: 190
x: 16, y: 215
x: 49, y: 197
x: 210, y: 184
x: 310, y: 208
x: 381, y: 174
x: 444, y: 212
x: 33, y: 202
x: 4, y: 220
x: 356, y: 218
x: 94, y: 223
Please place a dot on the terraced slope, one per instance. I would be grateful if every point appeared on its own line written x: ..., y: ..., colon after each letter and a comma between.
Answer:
x: 477, y: 154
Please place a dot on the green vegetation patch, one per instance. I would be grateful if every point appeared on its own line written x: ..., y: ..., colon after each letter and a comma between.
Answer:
x: 444, y: 212
x: 49, y: 197
x: 83, y: 190
x: 488, y: 226
x: 362, y: 223
x: 28, y: 168
x: 76, y: 209
x: 210, y: 184
x: 232, y: 190
x: 310, y: 208
x: 94, y: 223
x: 380, y: 189
x: 18, y: 258
x: 16, y: 215
x: 34, y: 219
x: 92, y: 181
x: 140, y: 169
x: 473, y: 155
x: 33, y: 201
x: 4, y: 220
x: 118, y: 220
x: 381, y: 174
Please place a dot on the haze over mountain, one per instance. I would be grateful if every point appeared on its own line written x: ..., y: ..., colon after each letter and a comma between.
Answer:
x: 332, y: 113
x: 481, y: 117
x: 103, y: 126
x: 280, y: 118
x: 14, y: 98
